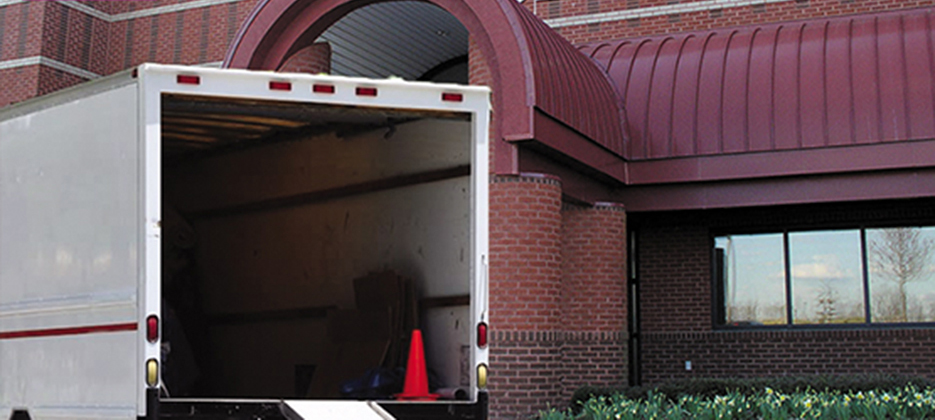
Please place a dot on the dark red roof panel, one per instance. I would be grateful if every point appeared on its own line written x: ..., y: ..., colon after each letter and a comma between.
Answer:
x: 570, y: 87
x: 819, y: 83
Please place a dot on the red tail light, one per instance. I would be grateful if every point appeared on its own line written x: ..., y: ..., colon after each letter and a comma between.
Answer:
x: 280, y: 86
x: 366, y: 91
x: 188, y: 79
x: 452, y: 97
x: 482, y: 334
x: 152, y: 328
x: 323, y: 88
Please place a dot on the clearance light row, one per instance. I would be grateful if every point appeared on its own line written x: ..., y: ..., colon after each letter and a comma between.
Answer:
x: 188, y: 79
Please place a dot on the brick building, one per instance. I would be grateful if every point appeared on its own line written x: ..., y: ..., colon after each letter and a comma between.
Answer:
x: 682, y: 188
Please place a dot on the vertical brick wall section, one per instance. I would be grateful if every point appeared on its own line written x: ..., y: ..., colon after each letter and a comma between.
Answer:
x: 674, y: 279
x: 23, y: 25
x: 479, y: 75
x: 594, y: 307
x: 557, y: 296
x: 51, y: 80
x: 525, y: 294
x: 525, y: 248
x: 19, y: 84
x: 594, y: 268
x: 676, y: 304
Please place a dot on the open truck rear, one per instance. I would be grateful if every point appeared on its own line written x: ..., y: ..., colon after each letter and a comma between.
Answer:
x: 184, y: 242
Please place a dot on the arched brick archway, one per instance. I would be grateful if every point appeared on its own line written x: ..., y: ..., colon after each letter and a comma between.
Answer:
x: 276, y: 30
x: 537, y: 77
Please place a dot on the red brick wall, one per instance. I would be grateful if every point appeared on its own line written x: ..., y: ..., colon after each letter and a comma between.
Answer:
x: 674, y: 276
x: 780, y: 353
x: 594, y: 268
x: 594, y: 298
x: 22, y: 30
x: 19, y: 84
x: 51, y: 80
x: 557, y: 296
x: 75, y: 38
x: 58, y: 32
x: 525, y: 248
x: 192, y: 36
x: 479, y: 75
x: 677, y: 326
x: 525, y: 294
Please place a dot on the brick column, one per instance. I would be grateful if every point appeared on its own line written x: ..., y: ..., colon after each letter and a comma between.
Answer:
x: 594, y: 298
x: 525, y: 294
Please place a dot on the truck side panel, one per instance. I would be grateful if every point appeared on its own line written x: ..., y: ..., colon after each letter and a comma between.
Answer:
x: 69, y: 265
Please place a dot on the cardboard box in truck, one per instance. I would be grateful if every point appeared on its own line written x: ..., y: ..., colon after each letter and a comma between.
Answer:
x: 184, y: 242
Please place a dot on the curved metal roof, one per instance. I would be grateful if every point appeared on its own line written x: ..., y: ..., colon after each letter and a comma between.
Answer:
x: 569, y: 87
x: 823, y: 83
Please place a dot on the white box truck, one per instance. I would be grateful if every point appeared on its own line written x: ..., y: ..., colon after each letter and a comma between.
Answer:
x: 185, y: 242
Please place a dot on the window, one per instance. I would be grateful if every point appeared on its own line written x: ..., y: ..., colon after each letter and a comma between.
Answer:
x: 849, y: 276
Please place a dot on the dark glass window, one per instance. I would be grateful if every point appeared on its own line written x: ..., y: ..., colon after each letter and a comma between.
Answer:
x: 848, y: 276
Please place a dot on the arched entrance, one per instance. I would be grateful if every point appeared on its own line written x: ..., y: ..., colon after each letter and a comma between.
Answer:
x: 277, y: 30
x: 546, y: 93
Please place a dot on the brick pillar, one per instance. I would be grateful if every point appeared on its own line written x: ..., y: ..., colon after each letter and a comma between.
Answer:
x: 479, y: 75
x: 594, y: 298
x: 525, y: 294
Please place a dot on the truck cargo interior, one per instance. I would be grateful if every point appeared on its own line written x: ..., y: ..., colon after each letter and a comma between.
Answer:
x: 302, y: 244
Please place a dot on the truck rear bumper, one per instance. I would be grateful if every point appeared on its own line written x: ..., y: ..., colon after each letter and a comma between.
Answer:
x: 202, y: 409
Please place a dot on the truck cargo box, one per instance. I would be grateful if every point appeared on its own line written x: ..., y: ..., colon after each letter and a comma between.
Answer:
x: 189, y: 242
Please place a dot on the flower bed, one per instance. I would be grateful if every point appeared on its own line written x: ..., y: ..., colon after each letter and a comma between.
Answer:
x: 909, y: 402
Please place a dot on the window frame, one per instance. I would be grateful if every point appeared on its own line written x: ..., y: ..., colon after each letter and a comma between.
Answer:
x: 719, y: 310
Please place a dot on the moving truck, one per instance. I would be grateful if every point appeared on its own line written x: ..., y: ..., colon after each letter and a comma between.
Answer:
x: 187, y: 242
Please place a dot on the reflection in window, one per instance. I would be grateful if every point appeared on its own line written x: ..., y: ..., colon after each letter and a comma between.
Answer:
x: 901, y: 262
x: 753, y: 279
x: 880, y: 275
x: 827, y: 285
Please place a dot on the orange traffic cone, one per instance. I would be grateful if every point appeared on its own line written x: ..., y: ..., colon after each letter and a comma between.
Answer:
x: 417, y: 381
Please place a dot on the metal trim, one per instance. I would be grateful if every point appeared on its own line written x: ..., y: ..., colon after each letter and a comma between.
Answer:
x: 55, y: 332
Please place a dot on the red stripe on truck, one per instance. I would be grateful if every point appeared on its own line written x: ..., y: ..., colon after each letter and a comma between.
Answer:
x: 51, y: 332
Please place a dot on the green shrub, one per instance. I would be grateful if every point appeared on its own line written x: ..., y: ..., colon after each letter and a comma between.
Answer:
x: 712, y: 387
x: 767, y: 403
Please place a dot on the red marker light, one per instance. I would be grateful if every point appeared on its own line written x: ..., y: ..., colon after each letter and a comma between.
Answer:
x: 452, y: 97
x: 323, y: 88
x: 482, y: 335
x: 188, y: 79
x: 280, y: 86
x: 152, y: 328
x: 366, y: 91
